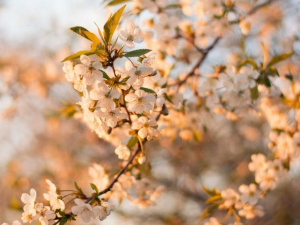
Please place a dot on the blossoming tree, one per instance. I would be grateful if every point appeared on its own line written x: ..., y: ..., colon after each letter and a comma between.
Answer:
x: 131, y: 96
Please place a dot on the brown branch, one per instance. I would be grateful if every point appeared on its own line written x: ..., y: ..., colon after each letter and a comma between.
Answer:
x: 122, y: 171
x: 162, y: 111
x: 205, y: 53
x: 253, y: 10
x: 257, y: 7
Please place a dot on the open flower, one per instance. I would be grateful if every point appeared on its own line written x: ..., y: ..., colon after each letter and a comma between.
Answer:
x: 122, y: 152
x: 249, y: 193
x: 111, y: 117
x: 212, y: 221
x: 140, y: 101
x: 103, y: 211
x: 29, y: 199
x: 89, y: 70
x: 46, y: 216
x: 104, y: 95
x: 83, y: 211
x: 251, y: 211
x: 137, y: 75
x: 98, y: 175
x: 16, y: 222
x: 146, y: 127
x: 52, y: 197
x: 131, y: 34
x: 167, y: 25
x: 230, y: 198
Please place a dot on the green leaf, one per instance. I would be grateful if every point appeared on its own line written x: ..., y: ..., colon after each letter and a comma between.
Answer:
x: 117, y: 2
x: 78, y: 54
x: 86, y: 34
x: 131, y: 143
x: 208, y: 211
x: 62, y: 213
x: 211, y: 192
x: 213, y: 199
x: 100, y: 33
x: 69, y: 111
x: 105, y: 75
x: 148, y: 90
x: 173, y: 6
x: 94, y: 187
x: 271, y: 72
x: 168, y: 98
x: 137, y: 53
x: 77, y: 187
x: 197, y: 135
x: 111, y: 25
x: 254, y: 93
x: 278, y: 58
x: 246, y: 62
x: 97, y: 47
x: 63, y: 221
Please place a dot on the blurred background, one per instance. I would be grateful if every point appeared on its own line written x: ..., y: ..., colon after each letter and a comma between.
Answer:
x: 37, y: 140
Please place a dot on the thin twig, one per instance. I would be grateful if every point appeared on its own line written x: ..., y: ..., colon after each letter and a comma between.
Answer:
x: 115, y: 180
x: 198, y: 63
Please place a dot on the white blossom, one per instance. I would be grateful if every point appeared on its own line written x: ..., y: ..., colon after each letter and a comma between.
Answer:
x: 104, y: 95
x: 84, y: 211
x: 111, y: 117
x: 230, y: 198
x: 122, y: 152
x: 251, y: 211
x: 140, y: 101
x: 131, y: 35
x: 146, y: 127
x: 98, y: 175
x: 52, y: 197
x: 137, y: 74
x: 89, y: 70
x: 249, y: 193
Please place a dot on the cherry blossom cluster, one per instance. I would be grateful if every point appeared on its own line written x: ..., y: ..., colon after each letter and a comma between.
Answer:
x: 232, y: 90
x: 122, y: 97
x: 278, y: 106
x: 128, y: 103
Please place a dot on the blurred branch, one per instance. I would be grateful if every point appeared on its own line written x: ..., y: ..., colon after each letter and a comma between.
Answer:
x: 205, y: 51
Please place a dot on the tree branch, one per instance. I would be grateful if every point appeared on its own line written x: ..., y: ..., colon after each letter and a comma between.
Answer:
x: 199, y: 63
x: 122, y: 171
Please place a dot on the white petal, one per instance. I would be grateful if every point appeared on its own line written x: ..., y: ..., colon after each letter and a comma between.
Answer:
x: 136, y: 125
x: 80, y: 69
x: 131, y: 97
x: 149, y: 98
x: 129, y: 44
x: 131, y: 80
x: 85, y: 60
x: 148, y: 107
x: 138, y: 39
x: 115, y: 94
x: 143, y: 133
x: 139, y: 109
x: 140, y: 93
x: 97, y: 65
x: 89, y: 80
x: 130, y: 26
x: 123, y: 35
x: 94, y: 95
x: 152, y: 123
x: 128, y: 65
x: 143, y: 120
x: 103, y: 88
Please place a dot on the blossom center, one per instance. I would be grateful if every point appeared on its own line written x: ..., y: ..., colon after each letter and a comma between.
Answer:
x: 130, y: 37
